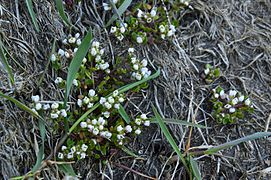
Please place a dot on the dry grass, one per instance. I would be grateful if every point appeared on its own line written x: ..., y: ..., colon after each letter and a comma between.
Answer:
x: 234, y: 35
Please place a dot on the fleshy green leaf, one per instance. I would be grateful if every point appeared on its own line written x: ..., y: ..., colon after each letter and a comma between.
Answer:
x: 194, y: 168
x: 5, y: 63
x: 60, y: 9
x: 124, y: 115
x: 67, y: 169
x: 29, y: 5
x: 178, y: 122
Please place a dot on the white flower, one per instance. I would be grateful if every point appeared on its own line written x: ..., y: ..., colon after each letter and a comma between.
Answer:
x: 122, y: 29
x: 119, y: 128
x: 153, y: 12
x: 60, y: 155
x: 140, y: 13
x: 58, y: 80
x: 63, y: 112
x: 78, y: 42
x: 61, y: 52
x: 75, y: 82
x: 54, y: 115
x: 241, y: 98
x: 91, y: 93
x: 131, y: 50
x: 232, y: 110
x: 222, y: 94
x: 90, y: 128
x: 149, y: 20
x: 95, y: 131
x: 53, y: 57
x: 102, y: 51
x: 79, y: 102
x: 108, y: 134
x: 147, y: 74
x: 101, y: 127
x: 144, y: 70
x: 227, y: 106
x: 107, y: 105
x: 144, y: 62
x: 35, y: 98
x: 94, y: 121
x: 72, y: 40
x: 38, y: 106
x: 77, y: 35
x: 63, y: 148
x: 138, y: 121
x: 83, y: 155
x: 70, y: 155
x: 170, y: 33
x: 121, y: 99
x: 163, y: 36
x: 232, y: 93
x: 115, y: 1
x: 138, y: 76
x: 135, y: 66
x: 247, y: 102
x: 84, y: 60
x: 64, y: 41
x: 102, y: 100
x: 55, y: 105
x: 83, y: 124
x: 111, y: 100
x: 172, y: 27
x: 93, y: 51
x: 46, y: 107
x: 101, y: 121
x: 120, y: 136
x: 147, y: 123
x: 86, y: 100
x: 104, y: 66
x: 90, y: 105
x: 133, y: 60
x: 139, y: 40
x: 84, y: 147
x: 143, y: 116
x: 95, y: 44
x: 67, y: 55
x: 116, y: 106
x: 106, y: 6
x: 206, y: 71
x: 128, y: 129
x: 216, y: 95
x: 234, y: 101
x: 106, y: 114
x: 120, y: 37
x: 138, y: 131
x: 113, y: 29
x: 115, y: 93
x: 162, y: 28
x: 120, y: 143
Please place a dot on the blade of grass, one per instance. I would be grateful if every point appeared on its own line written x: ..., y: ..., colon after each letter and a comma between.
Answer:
x: 178, y: 122
x: 128, y: 151
x: 76, y: 63
x: 60, y: 9
x: 194, y: 167
x: 119, y: 11
x: 29, y: 5
x: 67, y: 169
x: 237, y: 141
x: 170, y: 138
x: 121, y: 90
x: 124, y: 115
x: 5, y: 62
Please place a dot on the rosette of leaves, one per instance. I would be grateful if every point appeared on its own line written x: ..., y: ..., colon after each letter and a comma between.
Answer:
x: 227, y: 108
x: 210, y: 73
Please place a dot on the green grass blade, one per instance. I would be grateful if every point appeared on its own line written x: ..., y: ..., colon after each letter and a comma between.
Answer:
x: 237, y: 141
x: 5, y: 63
x: 124, y: 115
x: 67, y: 169
x: 60, y: 9
x: 128, y: 151
x: 76, y: 62
x: 178, y: 122
x: 169, y: 137
x: 119, y: 11
x: 195, y: 168
x: 29, y: 5
x: 121, y: 90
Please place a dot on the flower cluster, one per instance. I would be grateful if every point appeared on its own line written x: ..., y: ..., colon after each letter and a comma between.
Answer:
x: 119, y: 30
x: 89, y: 100
x: 78, y: 151
x: 107, y: 6
x: 97, y: 53
x: 112, y: 101
x: 147, y: 16
x: 166, y: 30
x: 140, y: 70
x: 210, y: 73
x: 229, y: 107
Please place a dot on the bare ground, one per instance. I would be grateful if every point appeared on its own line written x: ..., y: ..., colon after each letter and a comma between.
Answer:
x: 234, y: 35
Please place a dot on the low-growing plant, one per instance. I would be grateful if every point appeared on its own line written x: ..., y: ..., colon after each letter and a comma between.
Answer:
x: 210, y: 73
x: 228, y: 107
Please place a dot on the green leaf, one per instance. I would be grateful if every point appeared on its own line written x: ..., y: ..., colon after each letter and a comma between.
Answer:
x: 76, y: 63
x: 128, y: 151
x: 194, y: 168
x: 119, y: 11
x: 5, y: 63
x: 178, y: 122
x: 251, y: 137
x: 29, y: 5
x: 67, y: 169
x: 121, y: 90
x: 60, y: 9
x: 169, y: 137
x: 124, y: 115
